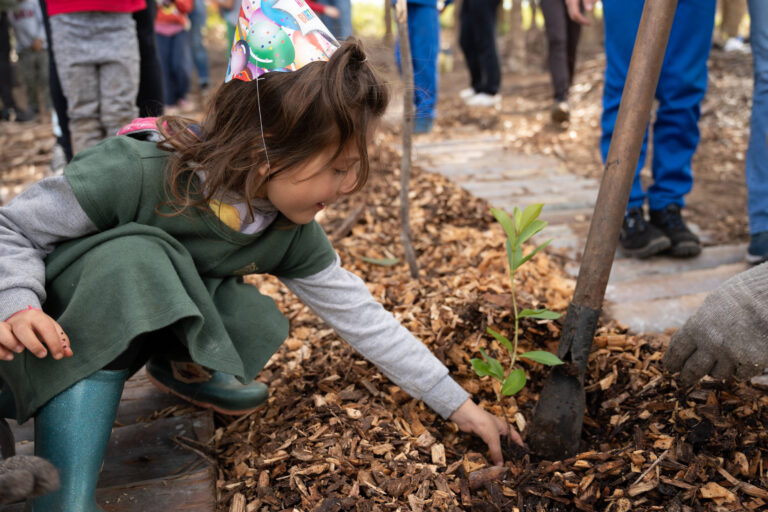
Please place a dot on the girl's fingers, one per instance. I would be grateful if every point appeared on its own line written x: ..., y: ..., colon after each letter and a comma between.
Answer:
x: 65, y: 345
x: 28, y: 338
x: 493, y: 441
x: 8, y: 340
x: 47, y: 332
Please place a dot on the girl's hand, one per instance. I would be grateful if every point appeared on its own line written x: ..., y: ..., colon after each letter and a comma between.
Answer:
x: 34, y: 330
x: 574, y: 10
x: 332, y: 12
x: 471, y: 418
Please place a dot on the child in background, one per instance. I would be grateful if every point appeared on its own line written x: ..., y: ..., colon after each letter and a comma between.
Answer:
x: 137, y: 253
x: 31, y: 46
x: 97, y: 61
x: 172, y: 46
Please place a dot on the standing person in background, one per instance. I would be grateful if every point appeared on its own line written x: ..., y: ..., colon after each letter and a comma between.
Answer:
x: 197, y: 20
x: 477, y: 38
x: 757, y: 151
x: 97, y: 62
x: 562, y: 40
x: 173, y: 47
x: 31, y: 46
x: 732, y: 12
x: 338, y: 19
x: 681, y: 87
x: 424, y: 39
x: 9, y: 111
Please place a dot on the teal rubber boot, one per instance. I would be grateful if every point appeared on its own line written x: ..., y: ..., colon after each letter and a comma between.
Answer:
x: 72, y: 431
x: 206, y: 388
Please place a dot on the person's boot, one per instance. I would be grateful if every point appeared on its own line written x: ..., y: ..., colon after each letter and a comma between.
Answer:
x: 670, y: 221
x: 639, y: 238
x: 72, y: 431
x: 206, y: 388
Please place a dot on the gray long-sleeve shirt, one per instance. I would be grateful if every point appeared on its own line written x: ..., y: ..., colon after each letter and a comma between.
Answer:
x: 48, y: 213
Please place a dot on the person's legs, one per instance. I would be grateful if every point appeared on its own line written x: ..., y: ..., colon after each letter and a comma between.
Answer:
x: 150, y: 96
x: 197, y: 19
x: 682, y: 84
x: 573, y: 30
x: 757, y: 151
x: 119, y: 76
x: 57, y: 95
x: 164, y: 47
x: 555, y: 17
x: 6, y: 77
x: 43, y: 78
x: 179, y: 86
x: 28, y: 72
x: 467, y: 43
x: 622, y: 20
x: 484, y: 16
x: 424, y: 37
x: 72, y: 35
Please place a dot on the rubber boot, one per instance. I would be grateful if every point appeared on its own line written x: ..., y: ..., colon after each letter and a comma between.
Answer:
x: 72, y: 431
x: 206, y: 388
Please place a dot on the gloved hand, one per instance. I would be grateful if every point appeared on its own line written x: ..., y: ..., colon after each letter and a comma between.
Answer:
x: 728, y: 335
x: 26, y: 476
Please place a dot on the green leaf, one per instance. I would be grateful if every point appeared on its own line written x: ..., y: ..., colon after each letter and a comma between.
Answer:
x: 384, y: 262
x: 517, y: 215
x: 543, y: 357
x: 530, y: 230
x: 541, y: 314
x: 532, y: 253
x: 501, y: 339
x: 481, y: 368
x: 506, y: 223
x: 514, y: 382
x: 530, y: 214
x: 495, y: 369
x: 517, y: 259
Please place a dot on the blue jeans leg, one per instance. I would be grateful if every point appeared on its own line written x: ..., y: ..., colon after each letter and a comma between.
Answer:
x: 197, y: 19
x: 164, y: 55
x: 757, y: 151
x: 622, y: 19
x: 424, y: 36
x: 682, y: 85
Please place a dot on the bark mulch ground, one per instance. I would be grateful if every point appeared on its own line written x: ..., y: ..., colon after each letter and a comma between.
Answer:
x: 337, y: 435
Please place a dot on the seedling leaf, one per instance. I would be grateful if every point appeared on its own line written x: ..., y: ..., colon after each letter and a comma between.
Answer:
x: 531, y: 229
x: 543, y: 357
x: 501, y: 339
x: 506, y: 223
x: 384, y: 262
x: 514, y: 382
x: 533, y: 253
x: 541, y: 314
x: 495, y: 369
x: 529, y: 215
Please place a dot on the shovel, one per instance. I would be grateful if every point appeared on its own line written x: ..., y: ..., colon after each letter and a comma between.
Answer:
x: 555, y: 430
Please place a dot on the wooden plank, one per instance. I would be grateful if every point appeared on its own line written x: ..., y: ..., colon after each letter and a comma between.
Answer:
x: 140, y: 399
x: 193, y: 492
x: 145, y: 451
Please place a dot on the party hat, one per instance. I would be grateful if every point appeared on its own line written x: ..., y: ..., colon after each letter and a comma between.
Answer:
x: 277, y: 35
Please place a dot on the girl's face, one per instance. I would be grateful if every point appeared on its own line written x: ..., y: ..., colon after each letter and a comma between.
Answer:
x: 300, y: 193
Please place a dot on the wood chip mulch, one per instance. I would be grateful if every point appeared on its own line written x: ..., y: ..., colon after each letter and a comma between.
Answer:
x: 337, y: 435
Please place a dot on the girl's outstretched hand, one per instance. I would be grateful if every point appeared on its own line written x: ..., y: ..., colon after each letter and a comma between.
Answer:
x: 471, y: 418
x: 34, y: 330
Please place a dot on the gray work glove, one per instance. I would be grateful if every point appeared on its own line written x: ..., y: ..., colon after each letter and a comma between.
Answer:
x: 728, y: 335
x: 26, y: 476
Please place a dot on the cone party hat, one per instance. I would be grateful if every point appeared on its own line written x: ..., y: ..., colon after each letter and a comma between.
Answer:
x: 277, y: 35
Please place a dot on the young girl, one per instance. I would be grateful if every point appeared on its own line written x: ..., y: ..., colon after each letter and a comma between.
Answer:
x: 144, y: 244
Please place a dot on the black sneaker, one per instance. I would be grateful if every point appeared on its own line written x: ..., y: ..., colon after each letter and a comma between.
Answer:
x: 640, y: 239
x: 669, y: 220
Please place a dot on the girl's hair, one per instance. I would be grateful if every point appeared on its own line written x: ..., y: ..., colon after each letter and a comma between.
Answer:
x: 279, y: 122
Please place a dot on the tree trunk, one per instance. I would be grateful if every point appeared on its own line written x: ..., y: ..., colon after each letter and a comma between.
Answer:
x: 405, y: 166
x: 516, y: 38
x: 388, y: 22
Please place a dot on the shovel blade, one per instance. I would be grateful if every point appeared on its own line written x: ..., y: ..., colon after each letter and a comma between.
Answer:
x: 555, y: 431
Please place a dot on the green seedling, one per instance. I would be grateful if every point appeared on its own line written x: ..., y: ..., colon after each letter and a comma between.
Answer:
x: 518, y: 228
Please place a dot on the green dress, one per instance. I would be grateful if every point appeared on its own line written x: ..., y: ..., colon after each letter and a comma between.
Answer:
x: 145, y: 271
